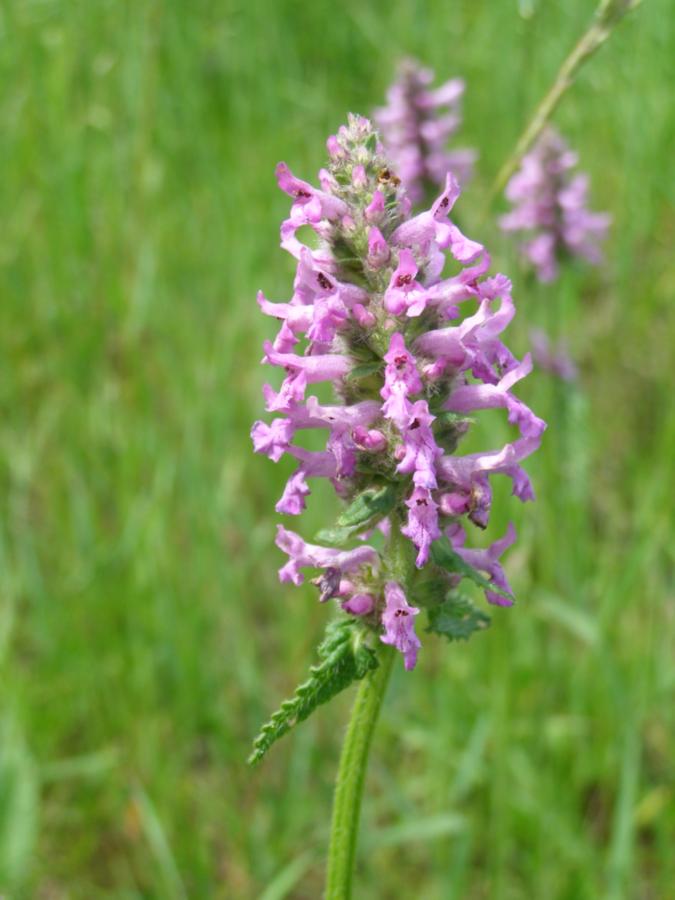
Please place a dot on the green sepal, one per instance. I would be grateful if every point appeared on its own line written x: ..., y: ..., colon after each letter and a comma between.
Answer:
x: 457, y: 618
x: 448, y: 429
x: 363, y: 513
x: 345, y: 658
x: 444, y: 556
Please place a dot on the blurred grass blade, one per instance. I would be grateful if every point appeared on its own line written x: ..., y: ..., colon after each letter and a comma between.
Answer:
x: 576, y: 621
x: 287, y: 878
x: 19, y: 808
x: 418, y: 830
x: 90, y: 765
x: 155, y: 835
x: 607, y: 15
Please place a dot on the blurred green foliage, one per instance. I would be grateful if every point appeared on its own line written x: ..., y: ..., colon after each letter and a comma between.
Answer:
x: 143, y: 634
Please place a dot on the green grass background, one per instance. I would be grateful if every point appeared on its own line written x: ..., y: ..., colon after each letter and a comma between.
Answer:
x: 143, y: 634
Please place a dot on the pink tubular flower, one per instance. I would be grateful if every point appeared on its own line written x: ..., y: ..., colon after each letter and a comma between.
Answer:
x: 401, y: 379
x: 410, y: 353
x: 399, y: 625
x: 422, y: 527
x: 404, y: 293
x: 486, y: 561
x: 550, y: 208
x: 419, y: 449
x: 417, y: 124
x: 302, y: 555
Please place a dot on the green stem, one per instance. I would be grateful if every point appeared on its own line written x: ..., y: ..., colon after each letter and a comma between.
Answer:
x: 351, y: 776
x: 354, y: 758
x: 608, y: 14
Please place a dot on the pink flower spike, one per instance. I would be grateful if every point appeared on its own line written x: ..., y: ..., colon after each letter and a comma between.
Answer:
x: 417, y: 124
x: 408, y: 353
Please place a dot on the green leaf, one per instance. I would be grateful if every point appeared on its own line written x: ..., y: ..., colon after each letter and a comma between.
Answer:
x: 371, y: 503
x: 334, y: 537
x: 345, y: 658
x: 366, y: 510
x: 444, y: 556
x: 457, y: 618
x: 363, y: 370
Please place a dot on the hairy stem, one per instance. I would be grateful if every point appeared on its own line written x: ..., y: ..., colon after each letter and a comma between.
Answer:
x: 351, y: 776
x: 354, y: 757
x: 608, y: 14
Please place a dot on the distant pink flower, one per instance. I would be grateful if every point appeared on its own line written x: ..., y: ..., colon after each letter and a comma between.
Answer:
x: 417, y: 124
x: 550, y: 208
x: 552, y: 358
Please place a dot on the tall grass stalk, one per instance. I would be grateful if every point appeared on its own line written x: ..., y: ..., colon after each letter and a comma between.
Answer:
x: 608, y: 14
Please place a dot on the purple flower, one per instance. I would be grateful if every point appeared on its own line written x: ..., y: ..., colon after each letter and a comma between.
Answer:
x: 302, y: 555
x: 378, y: 249
x: 315, y: 205
x: 472, y: 397
x: 422, y: 527
x: 398, y: 619
x: 301, y: 371
x: 550, y: 208
x: 404, y: 294
x: 273, y: 439
x: 401, y: 379
x: 409, y: 353
x: 431, y: 231
x: 359, y: 604
x: 292, y: 501
x: 486, y: 561
x: 419, y: 450
x: 417, y: 124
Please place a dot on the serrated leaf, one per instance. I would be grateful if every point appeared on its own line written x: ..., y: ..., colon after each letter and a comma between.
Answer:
x: 363, y: 370
x: 334, y: 537
x: 444, y: 556
x: 345, y: 659
x: 457, y: 618
x: 369, y: 504
x: 365, y: 512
